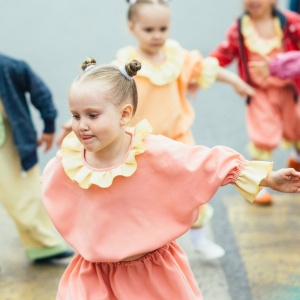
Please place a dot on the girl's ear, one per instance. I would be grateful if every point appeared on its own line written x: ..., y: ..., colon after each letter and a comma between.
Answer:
x: 126, y: 114
x: 131, y: 27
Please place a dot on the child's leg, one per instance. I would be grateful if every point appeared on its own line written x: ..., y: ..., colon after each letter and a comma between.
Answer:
x: 207, y: 248
x: 21, y: 196
x: 264, y: 125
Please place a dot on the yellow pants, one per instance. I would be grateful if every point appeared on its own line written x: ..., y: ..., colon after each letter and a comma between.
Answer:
x: 21, y: 196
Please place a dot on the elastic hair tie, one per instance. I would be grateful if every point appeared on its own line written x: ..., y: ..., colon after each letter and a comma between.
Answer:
x: 89, y: 67
x: 124, y: 72
x: 131, y: 2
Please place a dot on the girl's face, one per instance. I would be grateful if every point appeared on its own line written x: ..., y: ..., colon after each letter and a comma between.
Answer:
x: 97, y: 122
x: 259, y: 8
x: 150, y: 26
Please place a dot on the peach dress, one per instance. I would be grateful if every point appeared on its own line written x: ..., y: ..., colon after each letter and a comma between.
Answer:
x: 141, y: 205
x: 273, y: 114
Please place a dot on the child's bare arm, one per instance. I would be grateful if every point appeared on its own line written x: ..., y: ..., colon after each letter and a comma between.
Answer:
x: 283, y: 180
x: 240, y: 86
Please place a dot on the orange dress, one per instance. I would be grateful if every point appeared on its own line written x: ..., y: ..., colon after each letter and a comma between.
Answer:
x: 163, y: 88
x: 141, y: 205
x: 162, y: 91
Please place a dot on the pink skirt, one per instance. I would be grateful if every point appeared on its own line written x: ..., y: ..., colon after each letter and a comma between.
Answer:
x: 161, y: 274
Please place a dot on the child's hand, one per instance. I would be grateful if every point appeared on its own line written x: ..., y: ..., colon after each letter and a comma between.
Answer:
x: 62, y: 134
x: 283, y: 180
x: 240, y: 86
x: 65, y: 130
x: 243, y: 88
x: 259, y: 69
x: 192, y: 89
x: 47, y: 139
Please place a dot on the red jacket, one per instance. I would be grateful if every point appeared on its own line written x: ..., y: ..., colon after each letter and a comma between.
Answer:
x: 232, y: 48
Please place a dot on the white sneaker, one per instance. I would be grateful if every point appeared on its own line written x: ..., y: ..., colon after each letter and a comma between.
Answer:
x: 205, y: 247
x: 209, y: 250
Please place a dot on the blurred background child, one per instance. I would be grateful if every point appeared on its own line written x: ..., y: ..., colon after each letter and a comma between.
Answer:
x: 20, y: 184
x: 273, y: 113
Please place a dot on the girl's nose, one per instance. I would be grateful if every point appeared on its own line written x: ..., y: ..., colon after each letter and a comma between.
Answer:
x: 83, y: 125
x: 157, y: 35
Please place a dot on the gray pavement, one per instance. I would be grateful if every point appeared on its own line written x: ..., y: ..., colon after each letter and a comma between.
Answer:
x: 54, y: 37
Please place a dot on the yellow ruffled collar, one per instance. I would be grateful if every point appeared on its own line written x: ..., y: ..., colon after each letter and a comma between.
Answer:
x: 157, y: 74
x: 257, y: 44
x: 78, y: 170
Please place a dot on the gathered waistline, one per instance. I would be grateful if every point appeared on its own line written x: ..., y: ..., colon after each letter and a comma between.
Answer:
x: 135, y: 257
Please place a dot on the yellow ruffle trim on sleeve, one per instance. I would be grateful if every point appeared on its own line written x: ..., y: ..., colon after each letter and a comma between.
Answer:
x: 257, y: 44
x: 78, y: 171
x: 248, y: 181
x: 210, y: 69
x: 158, y: 74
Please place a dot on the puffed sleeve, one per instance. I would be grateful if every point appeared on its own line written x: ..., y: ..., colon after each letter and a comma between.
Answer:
x: 293, y: 28
x: 249, y: 179
x: 227, y: 50
x: 198, y: 70
x: 210, y: 69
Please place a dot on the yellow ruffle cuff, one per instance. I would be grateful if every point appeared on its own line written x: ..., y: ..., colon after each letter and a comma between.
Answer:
x: 78, y: 171
x: 259, y: 45
x: 158, y: 74
x: 210, y: 69
x: 248, y: 181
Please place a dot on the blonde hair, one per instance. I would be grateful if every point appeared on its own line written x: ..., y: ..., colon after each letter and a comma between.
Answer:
x: 119, y: 87
x: 133, y: 8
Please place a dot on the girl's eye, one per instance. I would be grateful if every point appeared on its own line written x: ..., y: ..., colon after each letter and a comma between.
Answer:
x: 148, y: 30
x: 93, y: 116
x: 76, y: 117
x: 163, y: 29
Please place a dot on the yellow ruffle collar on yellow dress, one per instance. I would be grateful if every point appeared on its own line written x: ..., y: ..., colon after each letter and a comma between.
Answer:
x: 161, y: 74
x: 78, y: 170
x: 257, y: 44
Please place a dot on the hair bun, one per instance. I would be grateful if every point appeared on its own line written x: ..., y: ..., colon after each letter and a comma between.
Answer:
x: 133, y: 67
x: 88, y: 62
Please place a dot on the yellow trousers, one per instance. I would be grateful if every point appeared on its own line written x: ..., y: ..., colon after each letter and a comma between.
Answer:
x: 20, y: 194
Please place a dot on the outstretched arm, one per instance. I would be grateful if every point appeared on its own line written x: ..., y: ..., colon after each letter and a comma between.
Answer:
x: 283, y: 65
x: 283, y: 180
x: 240, y: 86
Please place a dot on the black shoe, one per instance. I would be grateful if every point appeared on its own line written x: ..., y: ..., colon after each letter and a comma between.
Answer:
x: 62, y: 255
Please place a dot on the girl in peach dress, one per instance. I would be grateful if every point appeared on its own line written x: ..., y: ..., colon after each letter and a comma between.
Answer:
x: 121, y: 196
x: 169, y: 72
